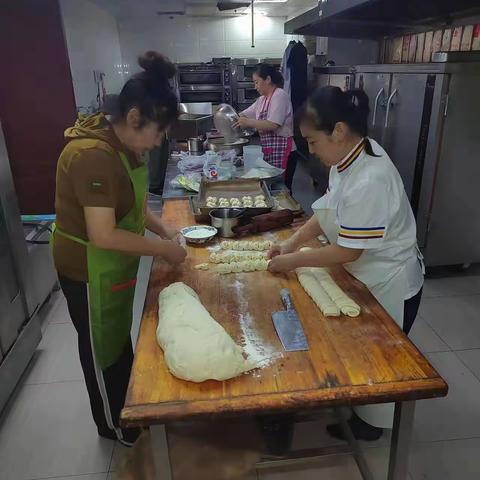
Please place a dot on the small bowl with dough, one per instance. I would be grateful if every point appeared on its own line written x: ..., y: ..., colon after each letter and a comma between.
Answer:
x: 198, y: 234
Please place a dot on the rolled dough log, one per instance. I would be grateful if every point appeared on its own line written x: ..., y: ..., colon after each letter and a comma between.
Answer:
x: 346, y: 305
x: 257, y: 245
x: 196, y: 347
x: 317, y: 293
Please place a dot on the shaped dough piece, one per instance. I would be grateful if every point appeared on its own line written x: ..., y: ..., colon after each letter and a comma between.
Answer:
x: 245, y: 266
x: 236, y: 256
x: 196, y: 347
x: 260, y: 245
x: 316, y: 292
x: 201, y: 266
x: 346, y: 305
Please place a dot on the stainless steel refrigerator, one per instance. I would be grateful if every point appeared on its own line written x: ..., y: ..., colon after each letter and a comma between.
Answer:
x: 425, y: 116
x: 19, y: 327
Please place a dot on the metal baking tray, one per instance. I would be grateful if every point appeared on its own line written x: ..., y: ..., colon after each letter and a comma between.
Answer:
x: 234, y: 188
x: 197, y: 214
x: 285, y: 201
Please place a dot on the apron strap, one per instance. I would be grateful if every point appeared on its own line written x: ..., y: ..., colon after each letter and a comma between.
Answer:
x: 67, y: 235
x: 267, y: 101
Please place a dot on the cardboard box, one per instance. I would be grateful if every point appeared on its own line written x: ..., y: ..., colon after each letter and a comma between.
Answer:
x: 397, y: 50
x: 420, y: 45
x: 476, y: 38
x: 406, y: 47
x: 437, y: 41
x: 446, y: 40
x: 466, y: 43
x: 456, y: 39
x: 412, y: 49
x: 427, y: 49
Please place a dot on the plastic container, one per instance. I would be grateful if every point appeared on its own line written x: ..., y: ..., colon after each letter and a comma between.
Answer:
x: 210, y: 167
x: 226, y: 169
x: 250, y: 160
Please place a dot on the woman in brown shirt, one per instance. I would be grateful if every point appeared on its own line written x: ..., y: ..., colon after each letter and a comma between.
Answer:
x: 101, y: 215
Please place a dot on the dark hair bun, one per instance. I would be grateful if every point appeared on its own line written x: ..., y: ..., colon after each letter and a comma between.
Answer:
x: 265, y: 70
x: 157, y: 65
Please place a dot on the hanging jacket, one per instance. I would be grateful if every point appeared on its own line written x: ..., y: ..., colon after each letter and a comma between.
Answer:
x: 297, y: 63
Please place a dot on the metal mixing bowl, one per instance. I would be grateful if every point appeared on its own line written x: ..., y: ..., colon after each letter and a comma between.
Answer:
x: 224, y: 119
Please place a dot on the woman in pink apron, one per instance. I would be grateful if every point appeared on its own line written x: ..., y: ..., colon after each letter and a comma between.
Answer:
x: 271, y: 115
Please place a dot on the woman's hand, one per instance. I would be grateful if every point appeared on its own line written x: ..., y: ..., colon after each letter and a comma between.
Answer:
x: 283, y: 263
x: 242, y: 122
x: 282, y: 248
x: 175, y: 254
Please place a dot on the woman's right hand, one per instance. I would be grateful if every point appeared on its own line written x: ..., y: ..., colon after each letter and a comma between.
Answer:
x: 175, y: 254
x: 282, y: 248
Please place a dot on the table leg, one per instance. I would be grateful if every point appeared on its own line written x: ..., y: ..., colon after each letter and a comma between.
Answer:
x: 400, y: 444
x: 160, y: 452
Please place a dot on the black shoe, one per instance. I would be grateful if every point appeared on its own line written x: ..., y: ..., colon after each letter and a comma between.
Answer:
x: 361, y: 430
x: 129, y: 435
x: 277, y: 433
x: 107, y: 433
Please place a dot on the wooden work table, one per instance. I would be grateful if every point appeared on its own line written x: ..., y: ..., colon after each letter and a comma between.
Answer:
x: 350, y: 361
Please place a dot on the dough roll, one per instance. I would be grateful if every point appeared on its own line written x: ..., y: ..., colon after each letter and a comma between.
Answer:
x: 323, y: 278
x: 317, y: 293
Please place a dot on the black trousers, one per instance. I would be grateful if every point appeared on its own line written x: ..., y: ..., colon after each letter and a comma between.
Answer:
x: 290, y: 170
x: 115, y: 377
x: 410, y: 311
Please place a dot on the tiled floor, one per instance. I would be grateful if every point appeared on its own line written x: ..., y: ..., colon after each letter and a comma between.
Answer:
x: 46, y: 432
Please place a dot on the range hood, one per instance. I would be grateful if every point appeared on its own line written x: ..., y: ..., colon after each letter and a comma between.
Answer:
x: 378, y: 18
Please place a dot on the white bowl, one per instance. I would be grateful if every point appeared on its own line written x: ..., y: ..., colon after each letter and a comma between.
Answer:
x: 198, y: 233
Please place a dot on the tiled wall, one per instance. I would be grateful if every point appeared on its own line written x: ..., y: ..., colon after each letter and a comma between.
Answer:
x: 194, y: 39
x: 93, y: 44
x: 419, y: 47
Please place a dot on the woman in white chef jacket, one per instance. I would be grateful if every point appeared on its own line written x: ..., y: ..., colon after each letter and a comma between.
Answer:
x: 366, y: 217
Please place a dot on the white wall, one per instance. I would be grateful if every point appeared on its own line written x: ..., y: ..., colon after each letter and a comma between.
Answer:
x: 196, y: 39
x: 93, y: 44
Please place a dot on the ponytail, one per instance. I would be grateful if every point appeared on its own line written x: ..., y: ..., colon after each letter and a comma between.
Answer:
x: 264, y: 70
x: 150, y: 92
x: 329, y: 105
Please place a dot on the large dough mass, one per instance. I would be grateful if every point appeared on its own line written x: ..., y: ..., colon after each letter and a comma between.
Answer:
x: 196, y: 347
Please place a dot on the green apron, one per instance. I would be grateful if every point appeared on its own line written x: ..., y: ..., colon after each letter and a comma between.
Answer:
x: 112, y: 277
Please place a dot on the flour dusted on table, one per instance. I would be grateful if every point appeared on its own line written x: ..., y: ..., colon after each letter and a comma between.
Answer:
x: 196, y: 347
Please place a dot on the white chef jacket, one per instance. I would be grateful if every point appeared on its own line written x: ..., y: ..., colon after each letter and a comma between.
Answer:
x: 373, y: 213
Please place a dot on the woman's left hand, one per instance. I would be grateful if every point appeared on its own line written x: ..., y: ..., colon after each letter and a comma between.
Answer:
x: 282, y: 263
x: 242, y: 122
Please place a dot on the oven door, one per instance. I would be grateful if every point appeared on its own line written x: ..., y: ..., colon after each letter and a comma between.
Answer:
x: 246, y: 93
x: 243, y: 73
x: 200, y: 77
x: 202, y: 93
